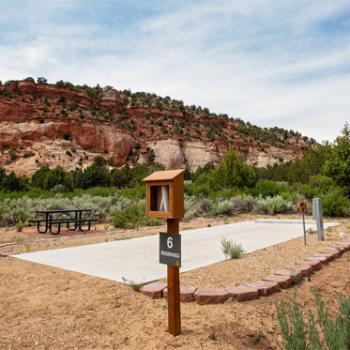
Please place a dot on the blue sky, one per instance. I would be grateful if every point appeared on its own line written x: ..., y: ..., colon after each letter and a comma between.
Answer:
x: 274, y: 63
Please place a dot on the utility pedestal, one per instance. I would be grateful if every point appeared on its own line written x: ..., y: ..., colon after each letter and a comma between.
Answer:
x: 317, y: 215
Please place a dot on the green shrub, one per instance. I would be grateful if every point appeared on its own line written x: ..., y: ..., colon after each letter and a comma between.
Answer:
x: 198, y: 189
x: 334, y: 203
x: 137, y: 192
x: 11, y: 183
x: 133, y: 216
x: 231, y: 249
x: 308, y: 191
x: 332, y: 334
x: 190, y: 207
x: 275, y: 205
x: 232, y: 172
x: 120, y: 221
x: 226, y: 193
x: 20, y: 226
x: 318, y: 186
x: 224, y: 207
x: 190, y: 214
x: 268, y: 188
x: 28, y: 154
x: 244, y: 204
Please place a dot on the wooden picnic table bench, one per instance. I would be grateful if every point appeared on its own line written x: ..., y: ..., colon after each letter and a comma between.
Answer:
x: 73, y: 218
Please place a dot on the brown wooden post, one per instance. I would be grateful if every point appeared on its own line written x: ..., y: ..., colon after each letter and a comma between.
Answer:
x: 174, y: 314
x: 168, y: 187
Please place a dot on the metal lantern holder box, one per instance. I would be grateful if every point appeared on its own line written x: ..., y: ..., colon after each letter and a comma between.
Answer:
x: 165, y: 194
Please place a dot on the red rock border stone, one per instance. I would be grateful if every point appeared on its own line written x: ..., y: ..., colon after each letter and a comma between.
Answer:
x: 186, y: 293
x: 282, y: 278
x: 211, y: 295
x: 154, y: 290
x: 243, y: 293
x: 283, y: 281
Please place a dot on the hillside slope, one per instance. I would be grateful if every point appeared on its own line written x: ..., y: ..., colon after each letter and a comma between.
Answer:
x: 63, y: 124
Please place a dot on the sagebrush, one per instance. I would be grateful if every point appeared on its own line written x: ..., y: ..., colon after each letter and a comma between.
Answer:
x: 321, y: 333
x: 231, y: 249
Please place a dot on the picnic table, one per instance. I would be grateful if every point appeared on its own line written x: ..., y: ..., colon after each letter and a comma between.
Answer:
x: 51, y: 220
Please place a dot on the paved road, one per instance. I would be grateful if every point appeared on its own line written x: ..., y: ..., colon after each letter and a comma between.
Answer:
x: 137, y: 259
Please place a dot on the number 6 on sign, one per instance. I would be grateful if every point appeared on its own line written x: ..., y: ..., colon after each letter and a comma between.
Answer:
x: 170, y: 242
x: 170, y: 249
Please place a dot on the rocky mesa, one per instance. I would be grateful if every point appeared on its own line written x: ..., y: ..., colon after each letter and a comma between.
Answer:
x: 60, y: 123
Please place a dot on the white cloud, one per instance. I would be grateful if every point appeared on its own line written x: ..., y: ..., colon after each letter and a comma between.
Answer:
x: 268, y: 62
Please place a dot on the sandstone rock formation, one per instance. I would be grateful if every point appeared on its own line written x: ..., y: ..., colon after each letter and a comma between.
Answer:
x: 51, y: 124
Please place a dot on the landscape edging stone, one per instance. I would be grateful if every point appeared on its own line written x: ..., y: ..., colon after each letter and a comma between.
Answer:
x: 282, y: 278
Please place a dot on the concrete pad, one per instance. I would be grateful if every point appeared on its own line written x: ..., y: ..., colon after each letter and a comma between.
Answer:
x: 136, y: 260
x: 285, y: 221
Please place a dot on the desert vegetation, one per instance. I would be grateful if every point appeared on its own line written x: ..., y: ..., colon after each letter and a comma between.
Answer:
x: 319, y: 332
x: 232, y: 187
x: 231, y: 250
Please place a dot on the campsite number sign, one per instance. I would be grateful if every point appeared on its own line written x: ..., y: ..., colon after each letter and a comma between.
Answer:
x: 165, y: 199
x: 170, y: 249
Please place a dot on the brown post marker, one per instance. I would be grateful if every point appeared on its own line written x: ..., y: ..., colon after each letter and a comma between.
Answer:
x: 174, y: 313
x: 165, y: 199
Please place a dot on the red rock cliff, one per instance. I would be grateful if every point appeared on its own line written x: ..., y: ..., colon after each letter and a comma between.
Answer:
x: 49, y: 124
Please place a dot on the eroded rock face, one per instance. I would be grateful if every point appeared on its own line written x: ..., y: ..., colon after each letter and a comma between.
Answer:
x: 168, y: 152
x: 197, y: 154
x: 270, y: 156
x: 53, y: 152
x: 111, y: 100
x: 12, y: 111
x: 67, y: 126
x: 51, y: 138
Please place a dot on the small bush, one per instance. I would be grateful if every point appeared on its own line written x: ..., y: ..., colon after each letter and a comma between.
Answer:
x: 231, y: 249
x: 120, y: 221
x: 28, y: 154
x: 274, y: 205
x: 190, y: 214
x: 243, y: 205
x: 20, y: 226
x: 334, y: 203
x: 333, y: 334
x: 136, y: 287
x: 268, y: 188
x: 133, y: 216
x: 224, y: 207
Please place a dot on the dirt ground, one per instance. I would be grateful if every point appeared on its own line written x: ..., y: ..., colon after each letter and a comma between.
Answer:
x: 48, y: 308
x: 262, y: 262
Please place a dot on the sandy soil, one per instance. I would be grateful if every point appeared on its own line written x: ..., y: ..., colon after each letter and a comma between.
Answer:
x: 262, y: 262
x: 47, y: 308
